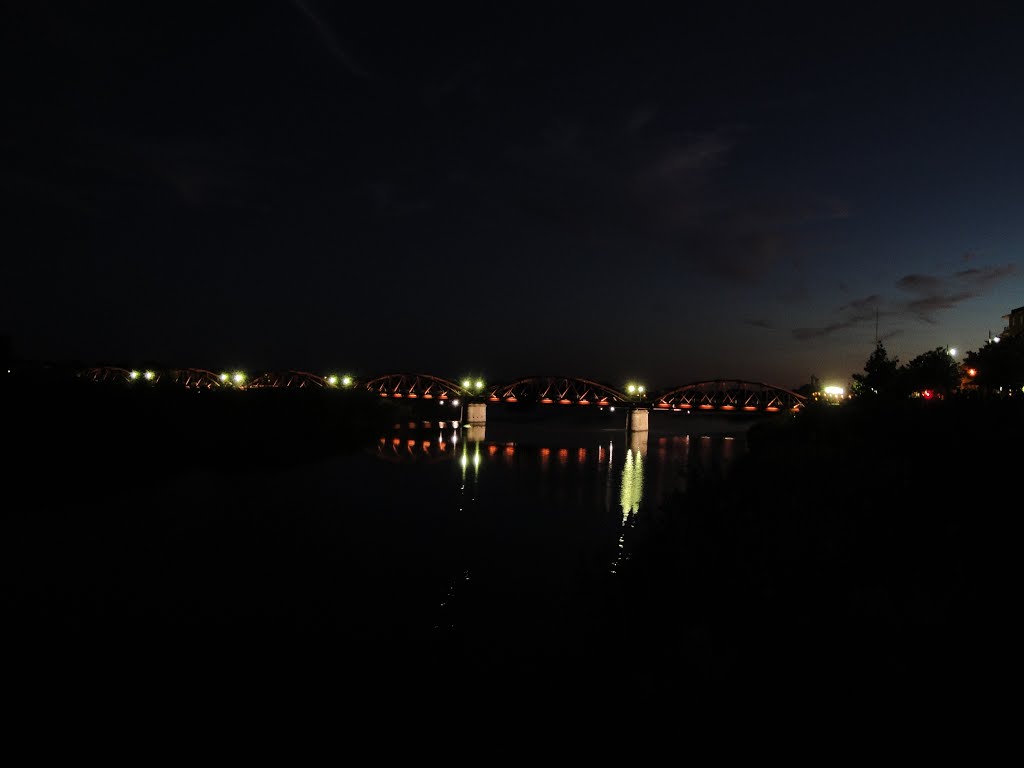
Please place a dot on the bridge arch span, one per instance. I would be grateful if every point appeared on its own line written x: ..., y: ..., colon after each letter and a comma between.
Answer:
x: 562, y: 390
x: 415, y: 386
x: 729, y: 395
x: 288, y: 379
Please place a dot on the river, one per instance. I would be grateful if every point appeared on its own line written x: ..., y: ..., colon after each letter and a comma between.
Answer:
x: 488, y: 544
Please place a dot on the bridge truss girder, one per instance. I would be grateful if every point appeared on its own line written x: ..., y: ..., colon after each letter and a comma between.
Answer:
x: 415, y: 386
x: 288, y: 380
x: 105, y: 373
x: 196, y: 378
x: 729, y: 395
x: 563, y: 390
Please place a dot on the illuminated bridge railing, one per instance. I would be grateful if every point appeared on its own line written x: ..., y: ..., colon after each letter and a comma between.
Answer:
x: 729, y: 395
x: 562, y: 390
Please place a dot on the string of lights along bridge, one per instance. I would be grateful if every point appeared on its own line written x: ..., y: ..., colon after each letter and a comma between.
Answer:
x: 718, y: 395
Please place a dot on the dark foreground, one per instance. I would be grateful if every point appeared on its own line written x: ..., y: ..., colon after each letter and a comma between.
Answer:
x: 852, y: 551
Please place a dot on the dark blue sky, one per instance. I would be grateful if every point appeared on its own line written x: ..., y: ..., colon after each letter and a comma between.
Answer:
x: 738, y: 192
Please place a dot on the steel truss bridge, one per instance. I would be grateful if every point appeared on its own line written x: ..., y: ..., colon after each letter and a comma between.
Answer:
x: 718, y: 395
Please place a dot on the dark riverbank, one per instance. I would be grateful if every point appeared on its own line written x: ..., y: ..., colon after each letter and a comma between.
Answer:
x: 136, y: 433
x: 852, y: 550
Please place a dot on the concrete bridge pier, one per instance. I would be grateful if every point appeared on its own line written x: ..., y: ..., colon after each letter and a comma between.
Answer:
x: 476, y: 414
x: 476, y: 433
x: 638, y: 443
x: 638, y: 419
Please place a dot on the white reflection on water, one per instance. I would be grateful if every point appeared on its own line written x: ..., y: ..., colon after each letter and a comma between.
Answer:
x: 630, y: 495
x: 632, y: 484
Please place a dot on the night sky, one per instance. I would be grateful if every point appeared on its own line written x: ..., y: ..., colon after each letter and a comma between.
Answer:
x: 610, y: 192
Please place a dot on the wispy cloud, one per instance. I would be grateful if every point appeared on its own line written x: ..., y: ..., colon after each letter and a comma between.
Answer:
x: 929, y: 295
x: 932, y: 294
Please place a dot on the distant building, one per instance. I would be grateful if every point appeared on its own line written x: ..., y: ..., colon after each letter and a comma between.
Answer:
x: 1014, y: 322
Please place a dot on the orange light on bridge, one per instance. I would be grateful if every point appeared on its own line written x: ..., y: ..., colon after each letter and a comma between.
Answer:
x: 494, y: 399
x: 662, y: 405
x: 771, y: 408
x: 749, y: 408
x: 705, y: 407
x: 547, y: 401
x: 728, y: 407
x: 511, y: 400
x: 412, y: 395
x: 563, y: 401
x: 583, y: 402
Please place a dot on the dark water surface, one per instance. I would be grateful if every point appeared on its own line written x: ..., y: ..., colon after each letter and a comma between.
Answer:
x: 482, y: 549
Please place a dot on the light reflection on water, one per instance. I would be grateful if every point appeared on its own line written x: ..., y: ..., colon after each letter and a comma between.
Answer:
x: 584, y: 486
x: 482, y: 539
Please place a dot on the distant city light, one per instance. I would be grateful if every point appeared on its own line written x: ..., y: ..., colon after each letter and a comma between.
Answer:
x: 952, y: 352
x: 834, y: 391
x: 238, y: 378
x: 346, y: 381
x: 455, y: 402
x: 133, y: 375
x: 465, y: 383
x: 479, y: 384
x: 149, y: 375
x: 224, y: 377
x: 972, y: 372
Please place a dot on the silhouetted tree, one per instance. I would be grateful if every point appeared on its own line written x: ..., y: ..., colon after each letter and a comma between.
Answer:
x: 880, y: 377
x: 808, y: 390
x: 935, y: 370
x: 999, y: 366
